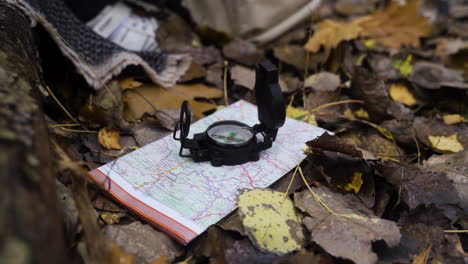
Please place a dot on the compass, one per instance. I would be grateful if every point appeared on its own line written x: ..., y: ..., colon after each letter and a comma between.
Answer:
x: 232, y: 142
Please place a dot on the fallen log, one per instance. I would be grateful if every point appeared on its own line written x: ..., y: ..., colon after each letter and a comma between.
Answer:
x: 31, y: 229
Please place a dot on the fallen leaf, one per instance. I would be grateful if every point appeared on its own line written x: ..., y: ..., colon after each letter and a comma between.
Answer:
x: 144, y: 241
x: 397, y: 26
x: 245, y: 77
x: 111, y: 218
x: 353, y: 7
x: 456, y: 168
x: 426, y: 127
x: 393, y: 27
x: 327, y: 142
x: 109, y: 138
x: 355, y: 184
x: 243, y: 251
x: 422, y: 257
x: 405, y: 67
x: 150, y: 99
x: 292, y: 54
x: 301, y: 115
x: 270, y: 221
x: 430, y: 75
x: 242, y: 51
x: 118, y: 256
x: 196, y: 71
x: 422, y: 187
x: 401, y: 94
x: 379, y: 146
x: 449, y: 144
x: 129, y: 83
x: 323, y: 81
x: 340, y: 203
x: 350, y: 236
x: 330, y: 33
x: 453, y: 119
x: 361, y: 113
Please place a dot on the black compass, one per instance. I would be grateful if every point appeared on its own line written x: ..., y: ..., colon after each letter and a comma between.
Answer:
x: 232, y: 142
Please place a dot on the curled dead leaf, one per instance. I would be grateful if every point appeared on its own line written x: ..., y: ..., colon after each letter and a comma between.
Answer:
x: 109, y: 138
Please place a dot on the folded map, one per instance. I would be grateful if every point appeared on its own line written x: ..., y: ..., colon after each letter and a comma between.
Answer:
x: 184, y: 198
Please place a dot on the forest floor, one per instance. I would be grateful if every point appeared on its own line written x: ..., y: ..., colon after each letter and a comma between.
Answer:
x: 389, y: 186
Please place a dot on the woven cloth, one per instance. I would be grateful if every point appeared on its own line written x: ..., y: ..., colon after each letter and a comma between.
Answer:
x: 97, y: 59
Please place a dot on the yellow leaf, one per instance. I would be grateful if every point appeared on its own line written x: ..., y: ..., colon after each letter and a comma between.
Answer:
x: 402, y: 94
x: 405, y: 67
x: 111, y: 218
x: 118, y: 256
x: 361, y: 113
x: 129, y: 83
x: 393, y: 27
x: 348, y: 113
x: 450, y: 144
x: 355, y: 184
x: 453, y: 119
x: 301, y: 115
x: 270, y: 221
x: 109, y: 138
x: 150, y: 98
x: 423, y: 257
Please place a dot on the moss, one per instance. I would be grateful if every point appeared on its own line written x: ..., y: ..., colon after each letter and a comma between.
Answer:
x: 7, y: 134
x: 15, y: 251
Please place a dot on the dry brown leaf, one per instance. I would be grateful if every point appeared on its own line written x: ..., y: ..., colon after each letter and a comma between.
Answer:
x: 149, y: 99
x: 109, y: 138
x: 330, y: 33
x: 397, y: 26
x: 393, y: 27
x: 196, y: 91
x: 129, y: 83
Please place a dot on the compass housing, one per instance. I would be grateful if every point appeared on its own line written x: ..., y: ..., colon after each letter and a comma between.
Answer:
x: 232, y: 142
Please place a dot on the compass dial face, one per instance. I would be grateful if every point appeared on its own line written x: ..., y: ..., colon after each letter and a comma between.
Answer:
x: 231, y: 134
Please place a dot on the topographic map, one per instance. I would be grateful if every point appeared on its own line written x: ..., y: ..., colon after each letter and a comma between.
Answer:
x: 184, y: 198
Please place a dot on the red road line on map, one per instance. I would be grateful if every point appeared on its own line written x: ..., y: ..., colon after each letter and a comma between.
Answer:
x: 208, y: 215
x: 248, y: 175
x: 269, y: 161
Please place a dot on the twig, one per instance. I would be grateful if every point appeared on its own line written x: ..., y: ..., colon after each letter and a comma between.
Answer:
x: 79, y: 131
x: 64, y: 125
x: 103, y: 153
x: 455, y: 231
x: 316, y: 197
x: 90, y: 67
x: 417, y: 147
x: 292, y: 179
x: 61, y: 105
x: 336, y: 103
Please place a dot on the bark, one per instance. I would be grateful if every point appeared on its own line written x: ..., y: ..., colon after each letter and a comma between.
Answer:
x: 31, y: 229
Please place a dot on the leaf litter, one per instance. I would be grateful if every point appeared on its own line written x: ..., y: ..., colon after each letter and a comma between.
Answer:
x: 389, y: 185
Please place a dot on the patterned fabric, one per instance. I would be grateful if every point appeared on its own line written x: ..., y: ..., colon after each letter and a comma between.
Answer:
x: 95, y: 57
